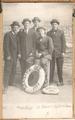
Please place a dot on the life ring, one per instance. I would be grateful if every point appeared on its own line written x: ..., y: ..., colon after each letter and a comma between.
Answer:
x: 33, y: 79
x: 51, y: 90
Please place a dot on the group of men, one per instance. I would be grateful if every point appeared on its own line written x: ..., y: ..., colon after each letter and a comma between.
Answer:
x: 33, y: 46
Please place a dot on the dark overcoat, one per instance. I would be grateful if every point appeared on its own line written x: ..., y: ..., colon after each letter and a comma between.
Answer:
x: 10, y: 45
x: 58, y: 41
x: 26, y: 43
x: 10, y: 49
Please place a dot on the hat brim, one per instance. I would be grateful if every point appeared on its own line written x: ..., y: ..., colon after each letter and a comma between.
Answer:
x: 26, y: 21
x: 15, y: 25
x: 36, y: 20
x: 54, y: 22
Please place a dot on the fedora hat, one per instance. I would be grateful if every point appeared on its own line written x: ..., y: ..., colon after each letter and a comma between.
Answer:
x: 15, y: 23
x: 36, y: 19
x: 25, y: 20
x: 54, y: 21
x: 41, y: 28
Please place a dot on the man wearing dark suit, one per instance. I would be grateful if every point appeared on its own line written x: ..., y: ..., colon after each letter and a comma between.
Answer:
x: 10, y: 48
x: 36, y: 22
x: 25, y: 45
x: 34, y: 32
x: 58, y: 38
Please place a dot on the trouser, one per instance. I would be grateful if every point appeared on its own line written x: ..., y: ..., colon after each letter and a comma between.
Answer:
x: 45, y: 65
x: 24, y: 66
x: 59, y: 63
x: 9, y: 72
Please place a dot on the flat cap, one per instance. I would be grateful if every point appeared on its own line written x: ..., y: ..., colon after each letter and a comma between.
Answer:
x: 25, y: 20
x: 36, y: 19
x: 15, y: 23
x: 54, y: 21
x: 41, y: 28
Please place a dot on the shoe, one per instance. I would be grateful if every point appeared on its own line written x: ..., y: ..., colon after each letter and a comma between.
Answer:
x: 60, y: 84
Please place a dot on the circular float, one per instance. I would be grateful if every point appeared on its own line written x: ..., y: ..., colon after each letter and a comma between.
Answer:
x: 33, y: 79
x: 51, y: 90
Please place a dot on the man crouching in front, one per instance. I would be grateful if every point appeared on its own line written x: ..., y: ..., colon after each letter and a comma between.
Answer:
x: 44, y: 49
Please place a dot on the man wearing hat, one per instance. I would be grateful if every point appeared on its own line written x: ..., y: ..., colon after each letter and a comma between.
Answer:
x: 36, y: 22
x: 44, y: 49
x: 25, y: 46
x: 10, y: 48
x: 59, y: 42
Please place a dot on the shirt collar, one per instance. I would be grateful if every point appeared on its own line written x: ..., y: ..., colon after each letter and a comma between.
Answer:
x: 35, y: 28
x: 26, y: 30
x: 54, y: 30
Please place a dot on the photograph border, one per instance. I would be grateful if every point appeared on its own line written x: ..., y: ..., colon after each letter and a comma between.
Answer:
x: 73, y: 54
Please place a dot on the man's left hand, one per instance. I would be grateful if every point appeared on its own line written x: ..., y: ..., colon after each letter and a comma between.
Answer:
x: 30, y: 59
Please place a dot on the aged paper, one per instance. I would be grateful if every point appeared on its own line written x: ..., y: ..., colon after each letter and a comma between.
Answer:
x: 25, y: 105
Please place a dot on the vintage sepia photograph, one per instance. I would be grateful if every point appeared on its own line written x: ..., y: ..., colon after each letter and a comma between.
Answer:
x: 37, y: 60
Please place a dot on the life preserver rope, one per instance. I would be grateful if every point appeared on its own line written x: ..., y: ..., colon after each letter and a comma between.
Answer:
x: 39, y: 83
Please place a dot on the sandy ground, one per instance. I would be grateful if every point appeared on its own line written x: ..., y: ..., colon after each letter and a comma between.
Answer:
x: 16, y: 95
x: 65, y: 94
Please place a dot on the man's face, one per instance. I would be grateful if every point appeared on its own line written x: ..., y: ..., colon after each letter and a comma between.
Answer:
x: 36, y: 23
x: 42, y: 32
x: 55, y: 26
x: 15, y: 29
x: 27, y: 25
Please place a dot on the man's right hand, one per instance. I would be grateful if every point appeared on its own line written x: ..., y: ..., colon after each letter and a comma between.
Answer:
x: 38, y: 55
x: 48, y: 57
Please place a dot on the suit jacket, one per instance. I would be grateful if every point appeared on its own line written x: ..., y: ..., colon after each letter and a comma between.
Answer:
x: 26, y: 43
x: 58, y: 41
x: 32, y: 29
x: 10, y: 45
x: 44, y: 45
